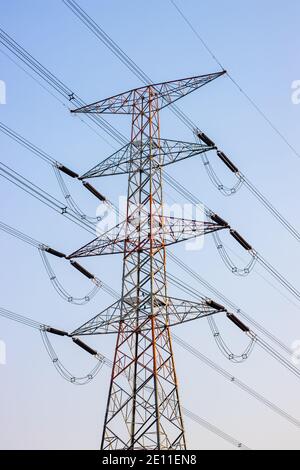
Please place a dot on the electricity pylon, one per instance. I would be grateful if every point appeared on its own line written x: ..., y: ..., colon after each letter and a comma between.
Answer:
x: 143, y: 408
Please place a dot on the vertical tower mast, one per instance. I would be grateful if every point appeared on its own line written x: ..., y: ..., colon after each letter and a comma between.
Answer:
x: 148, y: 403
x: 143, y: 408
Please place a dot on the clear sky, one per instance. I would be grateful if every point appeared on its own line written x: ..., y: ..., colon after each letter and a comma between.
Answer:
x: 259, y: 44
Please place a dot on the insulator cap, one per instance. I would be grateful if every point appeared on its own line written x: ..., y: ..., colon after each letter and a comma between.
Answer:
x: 67, y: 171
x: 215, y: 305
x: 85, y: 347
x: 240, y: 240
x: 94, y: 191
x: 219, y: 220
x: 227, y: 162
x: 82, y: 270
x: 54, y: 331
x: 238, y: 322
x: 206, y: 139
x: 55, y: 252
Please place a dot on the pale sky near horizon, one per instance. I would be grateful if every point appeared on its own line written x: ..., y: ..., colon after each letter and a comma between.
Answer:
x: 258, y: 42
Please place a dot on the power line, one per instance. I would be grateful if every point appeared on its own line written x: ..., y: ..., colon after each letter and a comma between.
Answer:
x: 228, y: 302
x: 265, y: 279
x: 51, y: 80
x: 138, y: 72
x: 58, y: 85
x: 36, y: 325
x: 180, y: 341
x: 122, y: 56
x: 67, y: 375
x: 242, y: 180
x: 56, y: 166
x: 53, y: 162
x: 20, y: 235
x: 44, y: 248
x: 256, y: 256
x: 255, y: 339
x: 48, y: 90
x: 44, y: 197
x: 198, y: 36
x: 39, y: 245
x: 234, y: 81
x: 236, y: 381
x: 27, y: 145
x: 50, y: 159
x: 21, y: 319
x: 215, y: 430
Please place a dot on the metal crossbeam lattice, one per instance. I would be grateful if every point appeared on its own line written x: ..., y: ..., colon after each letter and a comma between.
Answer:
x: 165, y: 94
x: 170, y: 151
x: 178, y: 311
x: 135, y: 233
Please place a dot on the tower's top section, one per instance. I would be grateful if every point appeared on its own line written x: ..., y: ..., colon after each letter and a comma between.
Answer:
x: 165, y: 93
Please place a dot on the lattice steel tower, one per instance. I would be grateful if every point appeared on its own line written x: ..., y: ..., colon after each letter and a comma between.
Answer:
x: 143, y: 408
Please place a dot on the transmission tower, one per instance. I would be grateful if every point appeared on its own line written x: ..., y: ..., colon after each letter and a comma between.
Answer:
x: 143, y: 407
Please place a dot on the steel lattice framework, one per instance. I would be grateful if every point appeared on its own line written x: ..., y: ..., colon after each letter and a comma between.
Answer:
x: 143, y: 409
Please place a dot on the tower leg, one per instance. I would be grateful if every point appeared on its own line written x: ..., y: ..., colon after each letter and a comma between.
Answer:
x: 143, y: 409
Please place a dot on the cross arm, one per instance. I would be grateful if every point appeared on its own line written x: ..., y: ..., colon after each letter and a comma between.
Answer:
x: 164, y: 152
x: 168, y: 310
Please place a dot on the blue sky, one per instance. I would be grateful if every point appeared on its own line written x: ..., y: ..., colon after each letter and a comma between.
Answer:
x: 258, y: 42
